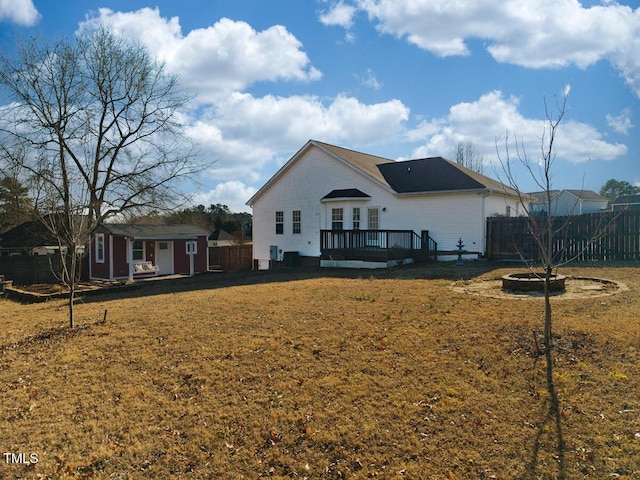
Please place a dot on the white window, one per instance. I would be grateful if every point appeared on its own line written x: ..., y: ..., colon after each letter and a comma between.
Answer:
x: 337, y: 216
x: 100, y: 248
x: 279, y: 223
x: 373, y: 223
x: 296, y: 217
x: 138, y: 250
x: 373, y: 219
x: 356, y: 218
x: 192, y: 248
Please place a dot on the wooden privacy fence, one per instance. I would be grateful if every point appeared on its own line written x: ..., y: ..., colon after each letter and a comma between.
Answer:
x: 230, y: 258
x: 32, y: 269
x: 594, y: 236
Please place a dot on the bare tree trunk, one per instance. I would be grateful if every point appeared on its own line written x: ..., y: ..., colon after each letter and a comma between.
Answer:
x: 72, y: 292
x: 554, y: 408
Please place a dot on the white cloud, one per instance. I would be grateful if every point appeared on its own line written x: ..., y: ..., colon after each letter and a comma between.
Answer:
x: 227, y: 56
x: 22, y: 12
x: 243, y: 137
x: 296, y: 119
x: 370, y: 80
x: 233, y: 194
x: 534, y: 34
x: 491, y: 117
x: 339, y: 14
x: 243, y: 134
x: 620, y: 123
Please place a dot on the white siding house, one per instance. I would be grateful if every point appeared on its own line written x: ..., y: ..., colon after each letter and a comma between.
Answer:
x: 327, y: 188
x: 567, y: 202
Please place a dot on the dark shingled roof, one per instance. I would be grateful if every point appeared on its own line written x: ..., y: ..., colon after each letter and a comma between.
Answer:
x: 35, y: 233
x: 28, y: 235
x: 434, y: 174
x: 346, y: 193
x: 626, y: 200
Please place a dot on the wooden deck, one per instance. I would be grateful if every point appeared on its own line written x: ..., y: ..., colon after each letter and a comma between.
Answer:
x: 375, y: 245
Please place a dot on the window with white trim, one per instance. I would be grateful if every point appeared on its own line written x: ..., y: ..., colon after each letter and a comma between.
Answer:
x: 100, y: 248
x: 337, y: 217
x: 356, y: 218
x: 279, y: 223
x: 138, y: 250
x: 373, y: 215
x: 296, y: 219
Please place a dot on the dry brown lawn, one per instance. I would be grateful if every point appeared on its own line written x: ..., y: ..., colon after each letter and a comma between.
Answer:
x: 320, y: 375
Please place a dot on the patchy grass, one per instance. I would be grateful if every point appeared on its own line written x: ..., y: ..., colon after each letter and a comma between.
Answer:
x: 308, y: 375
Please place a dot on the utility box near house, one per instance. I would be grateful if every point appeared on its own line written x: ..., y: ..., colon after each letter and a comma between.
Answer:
x: 273, y: 252
x: 291, y: 259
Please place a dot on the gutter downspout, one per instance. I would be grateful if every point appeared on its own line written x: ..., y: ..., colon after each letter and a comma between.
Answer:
x: 484, y: 220
x: 110, y: 257
x: 130, y: 255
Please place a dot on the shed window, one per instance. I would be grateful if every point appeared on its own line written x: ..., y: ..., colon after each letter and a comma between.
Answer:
x: 100, y: 248
x: 296, y: 217
x: 138, y: 250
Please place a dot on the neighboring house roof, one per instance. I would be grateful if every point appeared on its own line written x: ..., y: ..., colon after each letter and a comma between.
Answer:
x: 626, y: 200
x: 586, y: 195
x: 221, y: 235
x: 27, y: 235
x: 154, y: 232
x: 434, y: 174
x: 32, y: 234
x: 345, y: 193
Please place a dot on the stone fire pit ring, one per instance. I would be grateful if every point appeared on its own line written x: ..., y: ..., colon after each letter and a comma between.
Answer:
x: 532, y: 282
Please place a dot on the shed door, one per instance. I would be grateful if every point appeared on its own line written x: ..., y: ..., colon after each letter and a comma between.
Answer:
x: 164, y: 257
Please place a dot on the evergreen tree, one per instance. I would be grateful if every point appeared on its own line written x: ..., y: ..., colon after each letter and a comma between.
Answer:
x: 16, y: 206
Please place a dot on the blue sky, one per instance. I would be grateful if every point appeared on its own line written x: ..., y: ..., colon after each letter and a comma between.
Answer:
x: 395, y: 78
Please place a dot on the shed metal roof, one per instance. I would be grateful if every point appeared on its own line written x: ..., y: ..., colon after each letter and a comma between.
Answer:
x: 154, y: 232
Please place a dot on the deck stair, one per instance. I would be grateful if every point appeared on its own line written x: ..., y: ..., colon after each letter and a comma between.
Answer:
x: 4, y: 283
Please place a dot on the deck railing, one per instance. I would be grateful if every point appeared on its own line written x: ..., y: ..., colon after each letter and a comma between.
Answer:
x: 374, y: 245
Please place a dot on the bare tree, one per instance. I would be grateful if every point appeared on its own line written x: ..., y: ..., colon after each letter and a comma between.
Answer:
x: 468, y: 156
x: 94, y: 122
x: 543, y: 229
x: 108, y: 112
x: 68, y: 224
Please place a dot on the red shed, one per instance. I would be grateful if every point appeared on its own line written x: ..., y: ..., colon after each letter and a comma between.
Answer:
x: 124, y: 251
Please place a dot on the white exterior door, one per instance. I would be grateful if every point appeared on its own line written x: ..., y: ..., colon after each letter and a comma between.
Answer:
x: 373, y: 223
x: 164, y: 257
